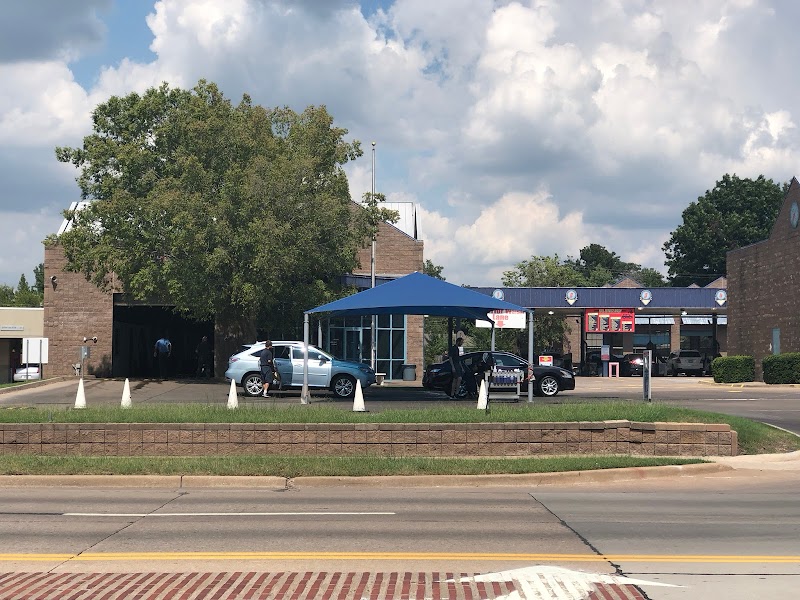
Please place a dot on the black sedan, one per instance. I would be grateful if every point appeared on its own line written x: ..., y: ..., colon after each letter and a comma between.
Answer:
x: 549, y: 380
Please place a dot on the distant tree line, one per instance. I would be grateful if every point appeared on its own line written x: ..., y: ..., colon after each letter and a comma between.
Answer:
x: 25, y: 295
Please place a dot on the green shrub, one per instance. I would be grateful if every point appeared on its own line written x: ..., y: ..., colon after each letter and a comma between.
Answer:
x: 782, y: 368
x: 733, y: 369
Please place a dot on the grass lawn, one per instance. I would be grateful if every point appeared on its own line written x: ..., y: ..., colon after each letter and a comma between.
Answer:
x: 297, y: 466
x: 754, y: 438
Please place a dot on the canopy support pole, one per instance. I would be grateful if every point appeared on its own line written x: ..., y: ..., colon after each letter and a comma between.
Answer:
x: 531, y: 357
x: 304, y: 396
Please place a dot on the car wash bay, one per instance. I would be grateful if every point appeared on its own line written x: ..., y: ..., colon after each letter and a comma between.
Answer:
x: 136, y: 329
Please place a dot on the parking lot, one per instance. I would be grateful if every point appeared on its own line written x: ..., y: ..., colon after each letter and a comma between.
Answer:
x: 394, y: 394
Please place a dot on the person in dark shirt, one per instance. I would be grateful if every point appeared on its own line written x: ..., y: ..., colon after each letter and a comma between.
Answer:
x: 162, y: 352
x: 267, y: 364
x: 456, y: 366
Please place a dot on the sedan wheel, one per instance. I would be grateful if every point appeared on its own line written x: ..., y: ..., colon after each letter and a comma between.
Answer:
x: 343, y: 386
x: 548, y: 385
x: 252, y: 384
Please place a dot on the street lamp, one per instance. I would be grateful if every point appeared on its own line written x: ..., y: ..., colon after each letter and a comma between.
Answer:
x: 373, y: 331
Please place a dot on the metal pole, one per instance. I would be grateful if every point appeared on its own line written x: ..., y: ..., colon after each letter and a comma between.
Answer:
x: 373, y: 327
x: 304, y: 396
x: 530, y: 354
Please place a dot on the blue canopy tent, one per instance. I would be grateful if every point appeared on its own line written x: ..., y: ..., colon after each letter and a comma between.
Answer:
x: 415, y: 294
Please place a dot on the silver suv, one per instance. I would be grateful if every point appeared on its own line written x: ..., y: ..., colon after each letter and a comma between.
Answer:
x: 689, y: 362
x: 324, y: 371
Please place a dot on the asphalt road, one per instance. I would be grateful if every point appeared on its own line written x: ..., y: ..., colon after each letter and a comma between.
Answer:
x: 733, y: 535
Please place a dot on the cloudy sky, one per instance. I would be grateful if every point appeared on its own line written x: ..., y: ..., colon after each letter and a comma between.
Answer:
x: 520, y: 128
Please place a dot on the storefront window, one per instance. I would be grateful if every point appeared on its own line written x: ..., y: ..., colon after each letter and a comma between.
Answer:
x: 350, y: 339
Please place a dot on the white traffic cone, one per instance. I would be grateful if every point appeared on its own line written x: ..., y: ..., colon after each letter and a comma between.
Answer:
x: 483, y: 396
x: 358, y: 398
x: 126, y: 395
x: 80, y: 398
x: 233, y: 399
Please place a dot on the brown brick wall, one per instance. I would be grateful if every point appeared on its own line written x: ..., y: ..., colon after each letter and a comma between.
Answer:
x: 764, y: 290
x: 74, y: 308
x: 368, y: 439
x: 395, y: 253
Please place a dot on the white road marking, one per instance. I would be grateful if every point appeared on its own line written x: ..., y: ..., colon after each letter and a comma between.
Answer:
x: 547, y: 583
x: 228, y: 514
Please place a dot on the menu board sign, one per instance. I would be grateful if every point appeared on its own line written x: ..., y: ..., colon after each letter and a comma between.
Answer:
x: 610, y: 320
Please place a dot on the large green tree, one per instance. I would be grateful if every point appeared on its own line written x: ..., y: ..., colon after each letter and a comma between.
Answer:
x: 234, y: 212
x: 737, y: 212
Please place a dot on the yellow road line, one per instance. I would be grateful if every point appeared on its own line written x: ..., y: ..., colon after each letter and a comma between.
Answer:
x: 524, y: 557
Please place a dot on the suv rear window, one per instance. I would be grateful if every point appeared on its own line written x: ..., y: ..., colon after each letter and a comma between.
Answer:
x: 690, y: 353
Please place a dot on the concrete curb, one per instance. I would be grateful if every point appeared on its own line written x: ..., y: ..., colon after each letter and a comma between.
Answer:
x: 756, y: 384
x: 396, y: 481
x: 35, y: 384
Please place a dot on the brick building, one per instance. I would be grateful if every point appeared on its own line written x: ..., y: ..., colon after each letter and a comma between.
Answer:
x: 126, y: 330
x: 764, y: 287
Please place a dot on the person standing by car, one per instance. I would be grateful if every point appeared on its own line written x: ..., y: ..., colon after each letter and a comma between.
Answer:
x: 267, y: 364
x: 456, y: 366
x: 162, y: 352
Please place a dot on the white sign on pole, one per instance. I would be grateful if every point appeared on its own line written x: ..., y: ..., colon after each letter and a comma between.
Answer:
x: 35, y: 350
x: 504, y: 319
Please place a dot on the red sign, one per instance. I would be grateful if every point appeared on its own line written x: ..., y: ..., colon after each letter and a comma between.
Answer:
x: 610, y: 320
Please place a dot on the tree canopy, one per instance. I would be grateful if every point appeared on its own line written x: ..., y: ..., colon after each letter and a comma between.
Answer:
x: 234, y: 212
x: 25, y: 295
x: 737, y: 212
x: 597, y: 266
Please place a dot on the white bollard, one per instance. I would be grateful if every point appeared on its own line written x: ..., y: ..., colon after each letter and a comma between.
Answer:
x: 80, y: 398
x: 358, y: 398
x: 126, y: 395
x: 483, y: 396
x: 233, y: 400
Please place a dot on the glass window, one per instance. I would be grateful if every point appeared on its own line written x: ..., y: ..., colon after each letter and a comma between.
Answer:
x: 398, y: 343
x: 383, y: 343
x: 297, y: 354
x: 384, y: 321
x: 507, y: 361
x: 280, y: 351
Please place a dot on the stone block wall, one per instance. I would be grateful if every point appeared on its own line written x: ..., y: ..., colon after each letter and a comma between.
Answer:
x: 74, y: 308
x: 368, y: 439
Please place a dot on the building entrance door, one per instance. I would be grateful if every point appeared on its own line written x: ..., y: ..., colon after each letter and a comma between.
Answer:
x: 352, y: 344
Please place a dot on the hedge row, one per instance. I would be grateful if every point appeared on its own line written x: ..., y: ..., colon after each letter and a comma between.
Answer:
x: 782, y: 368
x: 733, y: 369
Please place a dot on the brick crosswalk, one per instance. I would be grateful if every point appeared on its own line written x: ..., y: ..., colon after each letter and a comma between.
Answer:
x: 278, y: 586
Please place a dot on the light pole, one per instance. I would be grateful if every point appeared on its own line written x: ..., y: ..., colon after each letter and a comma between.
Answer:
x: 373, y: 327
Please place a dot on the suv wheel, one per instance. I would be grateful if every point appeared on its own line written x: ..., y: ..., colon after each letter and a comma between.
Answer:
x: 251, y: 384
x: 343, y: 386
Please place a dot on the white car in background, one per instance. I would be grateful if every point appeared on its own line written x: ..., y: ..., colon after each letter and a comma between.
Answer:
x: 689, y: 362
x: 27, y: 373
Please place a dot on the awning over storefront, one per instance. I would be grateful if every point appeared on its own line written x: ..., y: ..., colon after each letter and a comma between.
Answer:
x: 659, y: 320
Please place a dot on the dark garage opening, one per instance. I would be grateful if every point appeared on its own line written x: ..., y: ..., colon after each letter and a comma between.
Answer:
x: 136, y: 329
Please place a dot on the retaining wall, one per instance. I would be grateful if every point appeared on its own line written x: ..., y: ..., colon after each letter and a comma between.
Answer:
x: 373, y: 439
